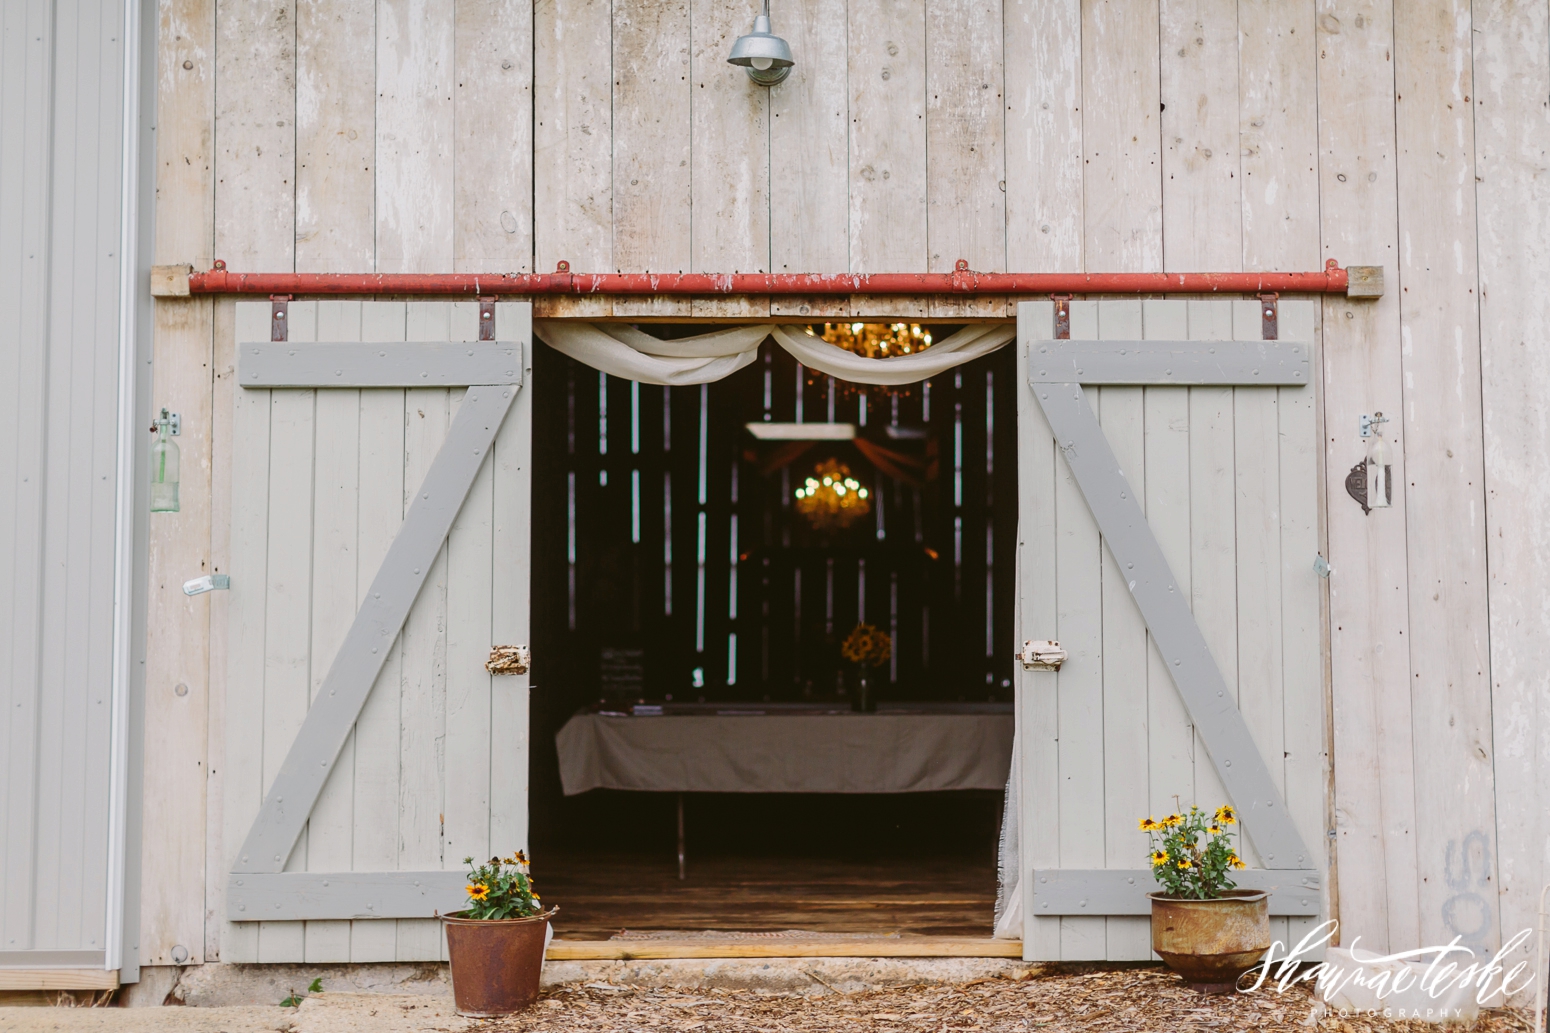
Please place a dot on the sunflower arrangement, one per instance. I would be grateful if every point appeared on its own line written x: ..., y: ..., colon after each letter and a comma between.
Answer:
x: 501, y: 888
x: 1192, y: 854
x: 867, y: 645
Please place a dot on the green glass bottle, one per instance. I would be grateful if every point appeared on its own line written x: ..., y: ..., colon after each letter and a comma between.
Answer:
x: 164, y: 468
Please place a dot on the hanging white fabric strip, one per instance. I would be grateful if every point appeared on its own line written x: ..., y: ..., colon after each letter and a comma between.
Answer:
x: 623, y: 351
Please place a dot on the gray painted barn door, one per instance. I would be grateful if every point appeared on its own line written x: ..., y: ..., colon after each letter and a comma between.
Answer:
x: 380, y: 547
x: 1168, y: 512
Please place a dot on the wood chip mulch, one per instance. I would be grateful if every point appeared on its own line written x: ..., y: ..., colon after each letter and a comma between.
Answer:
x: 1098, y: 1002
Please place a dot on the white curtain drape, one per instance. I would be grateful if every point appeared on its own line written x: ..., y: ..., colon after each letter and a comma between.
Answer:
x: 623, y: 351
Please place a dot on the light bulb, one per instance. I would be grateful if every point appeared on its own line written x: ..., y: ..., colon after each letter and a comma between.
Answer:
x: 763, y: 64
x: 839, y: 489
x: 862, y: 493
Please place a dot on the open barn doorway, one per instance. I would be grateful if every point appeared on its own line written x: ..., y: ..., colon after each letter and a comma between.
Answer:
x: 691, y: 599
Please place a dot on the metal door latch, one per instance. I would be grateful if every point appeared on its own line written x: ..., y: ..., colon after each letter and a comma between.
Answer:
x: 1041, y: 655
x: 509, y: 660
x: 208, y: 583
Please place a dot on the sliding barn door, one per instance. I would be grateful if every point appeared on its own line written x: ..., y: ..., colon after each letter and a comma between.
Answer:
x: 379, y: 550
x: 1168, y: 519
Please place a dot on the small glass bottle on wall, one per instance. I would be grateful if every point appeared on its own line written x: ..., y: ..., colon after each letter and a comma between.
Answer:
x: 1380, y: 487
x: 164, y: 467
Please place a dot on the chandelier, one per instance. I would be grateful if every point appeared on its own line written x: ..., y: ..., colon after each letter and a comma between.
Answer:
x: 876, y: 340
x: 832, y: 499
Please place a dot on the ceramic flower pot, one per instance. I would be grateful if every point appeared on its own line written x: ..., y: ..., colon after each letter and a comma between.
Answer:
x: 495, y: 962
x: 1211, y: 942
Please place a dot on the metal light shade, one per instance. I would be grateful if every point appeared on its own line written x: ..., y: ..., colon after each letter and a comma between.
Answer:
x: 765, y: 56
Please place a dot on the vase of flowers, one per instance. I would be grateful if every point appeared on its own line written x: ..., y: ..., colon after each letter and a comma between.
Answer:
x: 496, y: 944
x: 1204, y: 927
x: 867, y: 648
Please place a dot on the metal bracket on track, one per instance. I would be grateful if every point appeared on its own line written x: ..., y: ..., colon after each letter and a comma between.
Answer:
x: 487, y: 318
x: 279, y: 311
x: 1062, y: 316
x: 1269, y: 317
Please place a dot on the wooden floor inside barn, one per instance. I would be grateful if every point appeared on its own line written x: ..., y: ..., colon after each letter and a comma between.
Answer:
x: 601, y: 896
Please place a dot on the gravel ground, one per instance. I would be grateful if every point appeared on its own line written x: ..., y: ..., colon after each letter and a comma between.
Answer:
x: 1127, y: 1000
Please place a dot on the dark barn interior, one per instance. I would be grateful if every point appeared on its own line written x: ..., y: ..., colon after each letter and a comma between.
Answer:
x: 689, y: 577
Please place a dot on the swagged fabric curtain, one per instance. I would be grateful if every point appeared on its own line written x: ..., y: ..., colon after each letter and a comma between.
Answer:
x: 623, y: 351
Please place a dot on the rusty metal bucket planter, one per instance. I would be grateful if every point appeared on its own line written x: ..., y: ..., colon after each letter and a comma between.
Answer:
x: 495, y: 962
x: 1211, y: 942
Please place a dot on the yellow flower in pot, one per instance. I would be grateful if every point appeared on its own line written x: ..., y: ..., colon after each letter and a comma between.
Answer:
x: 496, y: 944
x: 1204, y: 927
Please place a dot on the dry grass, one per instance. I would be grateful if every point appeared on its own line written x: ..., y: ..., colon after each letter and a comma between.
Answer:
x: 1098, y: 1002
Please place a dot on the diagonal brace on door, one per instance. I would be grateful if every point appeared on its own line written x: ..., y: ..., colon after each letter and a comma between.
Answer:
x: 311, y: 757
x: 1167, y: 614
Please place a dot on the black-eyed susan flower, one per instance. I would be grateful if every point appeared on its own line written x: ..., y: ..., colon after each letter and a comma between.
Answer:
x: 1215, y: 830
x: 1150, y: 825
x: 1159, y: 858
x: 1185, y: 864
x: 1225, y: 815
x: 478, y: 891
x: 1235, y: 861
x: 1173, y: 821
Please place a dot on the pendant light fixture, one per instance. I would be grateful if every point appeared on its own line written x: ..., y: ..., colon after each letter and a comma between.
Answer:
x: 764, y: 56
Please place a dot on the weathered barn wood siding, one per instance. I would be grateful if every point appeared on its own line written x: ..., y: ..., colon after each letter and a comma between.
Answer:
x: 1123, y: 134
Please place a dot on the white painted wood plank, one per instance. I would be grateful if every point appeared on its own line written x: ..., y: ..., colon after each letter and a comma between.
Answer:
x: 1201, y: 210
x: 249, y: 550
x: 334, y: 601
x: 1044, y: 152
x: 1369, y: 607
x: 177, y: 651
x: 1278, y: 112
x: 1302, y: 633
x: 382, y: 506
x: 1038, y: 728
x: 1512, y: 136
x: 1212, y: 550
x: 1122, y: 188
x: 1124, y: 709
x: 470, y: 571
x: 730, y: 159
x: 415, y: 115
x: 652, y: 145
x: 573, y: 136
x: 376, y: 729
x: 1444, y: 476
x: 1170, y: 733
x: 1079, y: 563
x: 336, y: 139
x: 888, y: 230
x: 422, y: 708
x: 510, y: 617
x: 965, y: 137
x: 1256, y: 489
x: 223, y: 447
x: 255, y: 136
x: 288, y: 612
x: 809, y: 156
x: 493, y: 146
